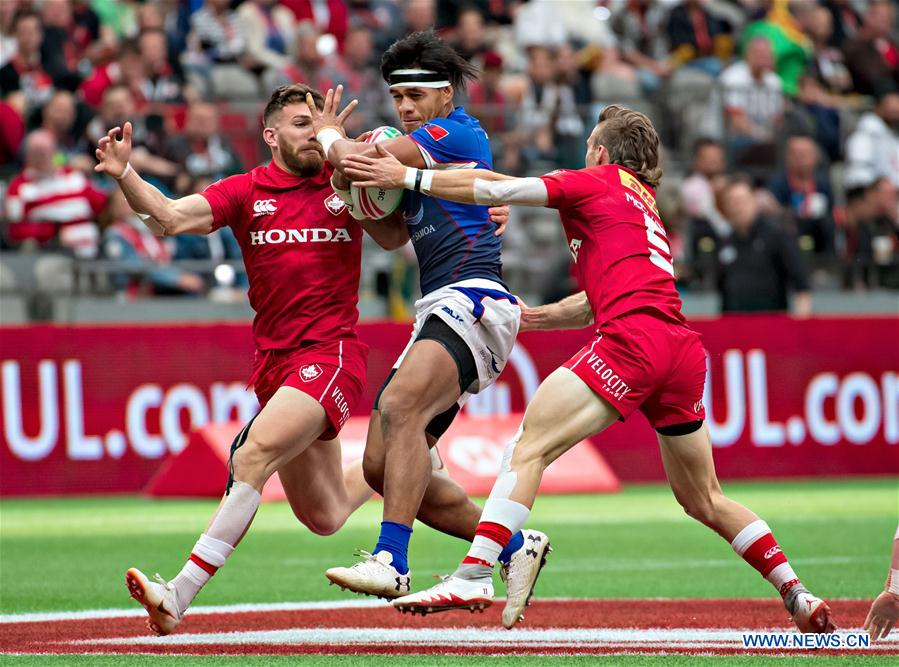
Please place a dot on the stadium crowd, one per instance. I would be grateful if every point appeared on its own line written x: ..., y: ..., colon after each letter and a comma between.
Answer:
x: 780, y: 122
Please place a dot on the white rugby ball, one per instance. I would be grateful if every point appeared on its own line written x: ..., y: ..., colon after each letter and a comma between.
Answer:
x: 377, y: 203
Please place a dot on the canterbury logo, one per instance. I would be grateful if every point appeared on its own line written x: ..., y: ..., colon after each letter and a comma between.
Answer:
x: 574, y: 247
x: 770, y: 553
x: 263, y: 207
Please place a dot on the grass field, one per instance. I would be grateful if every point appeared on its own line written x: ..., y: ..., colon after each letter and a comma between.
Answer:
x: 70, y: 554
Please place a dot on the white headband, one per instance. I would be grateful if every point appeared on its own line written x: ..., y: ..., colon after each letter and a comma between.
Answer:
x: 417, y: 78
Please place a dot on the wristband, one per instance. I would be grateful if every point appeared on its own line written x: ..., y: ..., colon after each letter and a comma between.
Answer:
x: 893, y: 586
x: 126, y: 171
x: 418, y: 180
x: 326, y: 137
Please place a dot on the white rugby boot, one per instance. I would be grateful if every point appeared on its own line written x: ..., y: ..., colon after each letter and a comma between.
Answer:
x: 158, y: 597
x: 373, y: 575
x: 520, y: 574
x: 809, y: 613
x: 451, y: 593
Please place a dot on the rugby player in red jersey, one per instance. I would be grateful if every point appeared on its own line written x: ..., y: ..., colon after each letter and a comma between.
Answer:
x: 644, y: 356
x: 302, y: 251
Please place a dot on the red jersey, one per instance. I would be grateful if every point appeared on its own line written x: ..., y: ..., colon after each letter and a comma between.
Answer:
x: 302, y: 250
x: 617, y: 241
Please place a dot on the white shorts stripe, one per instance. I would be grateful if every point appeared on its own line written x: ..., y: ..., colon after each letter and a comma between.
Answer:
x: 590, y: 351
x: 334, y: 377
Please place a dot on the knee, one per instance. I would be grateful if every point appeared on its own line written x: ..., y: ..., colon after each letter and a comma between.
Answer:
x: 321, y: 521
x: 702, y: 505
x: 256, y: 460
x: 397, y: 410
x: 530, y: 452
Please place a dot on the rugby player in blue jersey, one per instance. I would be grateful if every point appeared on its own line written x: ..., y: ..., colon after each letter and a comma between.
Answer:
x: 464, y: 330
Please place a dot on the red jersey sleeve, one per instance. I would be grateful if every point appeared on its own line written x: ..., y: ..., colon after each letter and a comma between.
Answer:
x: 227, y: 199
x: 565, y: 186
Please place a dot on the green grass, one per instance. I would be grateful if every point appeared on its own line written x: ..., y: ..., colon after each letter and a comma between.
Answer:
x: 69, y: 554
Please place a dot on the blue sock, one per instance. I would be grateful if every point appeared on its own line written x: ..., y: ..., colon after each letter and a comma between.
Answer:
x: 394, y: 539
x: 514, y: 545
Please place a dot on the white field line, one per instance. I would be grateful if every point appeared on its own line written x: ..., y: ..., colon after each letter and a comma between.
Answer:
x: 136, y: 611
x: 482, y: 637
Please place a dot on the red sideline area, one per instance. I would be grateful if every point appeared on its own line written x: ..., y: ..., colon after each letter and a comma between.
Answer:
x: 643, y: 616
x: 471, y: 449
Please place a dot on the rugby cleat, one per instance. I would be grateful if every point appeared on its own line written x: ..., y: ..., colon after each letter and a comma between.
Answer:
x: 520, y: 575
x: 374, y: 575
x: 809, y: 613
x: 451, y: 593
x: 159, y: 598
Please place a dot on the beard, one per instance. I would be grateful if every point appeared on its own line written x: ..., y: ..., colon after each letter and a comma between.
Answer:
x: 302, y: 162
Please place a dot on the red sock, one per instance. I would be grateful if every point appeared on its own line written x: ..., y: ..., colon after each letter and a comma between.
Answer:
x: 489, y: 541
x: 757, y: 546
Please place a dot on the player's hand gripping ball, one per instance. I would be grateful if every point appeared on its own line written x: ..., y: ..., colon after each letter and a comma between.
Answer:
x: 377, y: 203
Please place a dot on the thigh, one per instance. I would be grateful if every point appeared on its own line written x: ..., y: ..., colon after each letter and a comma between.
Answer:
x: 289, y: 422
x: 563, y: 411
x: 314, y: 478
x: 688, y: 462
x: 425, y: 384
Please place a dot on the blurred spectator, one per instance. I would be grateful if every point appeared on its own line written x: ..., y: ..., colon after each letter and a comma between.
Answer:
x: 216, y: 32
x: 362, y: 81
x: 12, y: 130
x: 872, y: 150
x: 307, y: 65
x: 827, y: 65
x: 203, y: 151
x: 885, y: 242
x: 158, y: 81
x: 706, y: 226
x: 814, y: 112
x: 846, y: 21
x: 66, y: 43
x: 639, y: 27
x: 60, y: 116
x: 8, y: 11
x: 486, y: 100
x: 872, y: 56
x: 758, y: 262
x: 470, y: 40
x: 269, y: 31
x: 128, y: 240
x: 48, y: 205
x: 25, y: 71
x: 117, y: 107
x: 118, y: 17
x: 697, y: 39
x: 330, y: 17
x: 753, y: 103
x: 855, y: 241
x: 790, y: 46
x: 419, y: 15
x: 804, y: 192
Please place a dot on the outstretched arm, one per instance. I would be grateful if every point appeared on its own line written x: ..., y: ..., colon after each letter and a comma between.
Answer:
x: 188, y: 215
x: 468, y: 186
x: 572, y: 312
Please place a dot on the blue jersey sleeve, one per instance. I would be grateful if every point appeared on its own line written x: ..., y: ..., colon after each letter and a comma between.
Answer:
x: 445, y: 144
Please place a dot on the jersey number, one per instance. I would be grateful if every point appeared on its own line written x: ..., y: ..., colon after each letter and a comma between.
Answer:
x: 655, y: 234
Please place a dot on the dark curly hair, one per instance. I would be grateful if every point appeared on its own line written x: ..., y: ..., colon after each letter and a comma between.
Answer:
x: 426, y: 50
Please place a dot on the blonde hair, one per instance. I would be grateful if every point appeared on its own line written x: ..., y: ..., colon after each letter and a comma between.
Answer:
x: 632, y: 142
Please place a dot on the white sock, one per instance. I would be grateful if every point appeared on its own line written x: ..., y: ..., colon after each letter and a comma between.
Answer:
x: 217, y: 543
x: 780, y: 576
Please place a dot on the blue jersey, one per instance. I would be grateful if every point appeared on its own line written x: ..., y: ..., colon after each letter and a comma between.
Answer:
x: 453, y: 241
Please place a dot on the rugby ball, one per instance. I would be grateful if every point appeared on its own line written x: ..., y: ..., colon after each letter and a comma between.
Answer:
x: 377, y: 203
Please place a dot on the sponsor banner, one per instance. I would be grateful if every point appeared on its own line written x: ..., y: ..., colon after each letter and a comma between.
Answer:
x: 97, y: 408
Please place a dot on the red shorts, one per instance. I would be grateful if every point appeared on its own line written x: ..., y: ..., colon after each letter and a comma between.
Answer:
x: 333, y: 373
x: 641, y: 362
